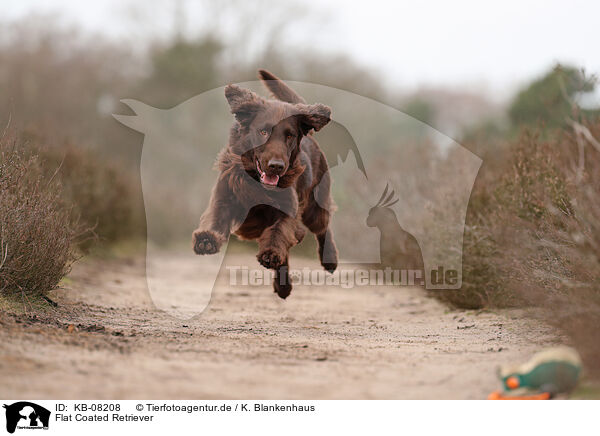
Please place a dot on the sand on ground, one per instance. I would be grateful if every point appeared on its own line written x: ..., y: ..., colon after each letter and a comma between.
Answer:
x: 106, y: 340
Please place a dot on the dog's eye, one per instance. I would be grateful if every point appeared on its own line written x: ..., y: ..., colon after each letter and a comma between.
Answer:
x: 289, y: 136
x: 263, y: 132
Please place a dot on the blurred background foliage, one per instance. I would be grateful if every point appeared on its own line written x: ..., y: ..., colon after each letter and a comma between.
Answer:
x: 551, y: 98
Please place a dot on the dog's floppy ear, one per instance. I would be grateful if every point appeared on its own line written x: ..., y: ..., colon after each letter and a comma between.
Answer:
x: 313, y: 116
x: 243, y: 102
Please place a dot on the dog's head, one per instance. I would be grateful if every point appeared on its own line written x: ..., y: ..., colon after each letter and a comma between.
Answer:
x: 268, y: 133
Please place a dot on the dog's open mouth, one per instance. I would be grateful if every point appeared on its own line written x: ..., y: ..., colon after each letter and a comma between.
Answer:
x: 265, y: 179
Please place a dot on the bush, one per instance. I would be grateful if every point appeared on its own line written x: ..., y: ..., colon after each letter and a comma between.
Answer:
x: 533, y: 235
x: 36, y: 227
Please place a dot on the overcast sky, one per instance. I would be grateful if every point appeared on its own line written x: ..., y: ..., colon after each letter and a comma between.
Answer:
x: 492, y: 46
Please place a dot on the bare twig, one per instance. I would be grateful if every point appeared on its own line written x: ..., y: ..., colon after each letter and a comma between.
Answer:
x: 7, y: 126
x: 23, y: 297
x: 582, y: 130
x: 582, y: 134
x: 57, y: 170
x: 4, y: 255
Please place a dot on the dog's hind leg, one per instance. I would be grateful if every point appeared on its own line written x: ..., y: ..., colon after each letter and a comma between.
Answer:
x: 317, y: 220
x: 300, y: 232
x: 282, y: 284
x: 328, y: 254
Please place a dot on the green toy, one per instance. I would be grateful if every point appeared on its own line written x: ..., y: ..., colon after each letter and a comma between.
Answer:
x: 548, y: 373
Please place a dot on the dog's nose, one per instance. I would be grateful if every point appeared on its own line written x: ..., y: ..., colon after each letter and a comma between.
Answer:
x: 276, y: 165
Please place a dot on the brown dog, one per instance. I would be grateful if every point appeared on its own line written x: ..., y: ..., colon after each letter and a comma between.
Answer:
x: 273, y: 181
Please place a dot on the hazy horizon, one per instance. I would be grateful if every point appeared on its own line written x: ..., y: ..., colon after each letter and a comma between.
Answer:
x: 412, y: 45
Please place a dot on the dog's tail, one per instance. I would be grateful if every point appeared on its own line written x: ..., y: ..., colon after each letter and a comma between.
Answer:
x: 278, y: 88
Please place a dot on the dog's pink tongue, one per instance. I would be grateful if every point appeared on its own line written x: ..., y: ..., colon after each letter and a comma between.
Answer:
x: 269, y: 180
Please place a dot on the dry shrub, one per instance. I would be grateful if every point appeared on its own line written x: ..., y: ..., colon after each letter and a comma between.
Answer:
x: 575, y: 306
x: 533, y: 235
x: 508, y: 210
x: 36, y: 227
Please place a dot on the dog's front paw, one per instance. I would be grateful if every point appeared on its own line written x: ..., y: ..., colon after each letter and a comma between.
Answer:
x: 206, y: 242
x: 271, y: 258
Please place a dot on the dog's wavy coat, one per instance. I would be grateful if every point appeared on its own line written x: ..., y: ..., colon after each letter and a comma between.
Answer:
x: 273, y: 182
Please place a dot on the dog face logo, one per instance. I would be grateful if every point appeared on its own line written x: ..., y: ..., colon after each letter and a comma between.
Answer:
x: 26, y: 415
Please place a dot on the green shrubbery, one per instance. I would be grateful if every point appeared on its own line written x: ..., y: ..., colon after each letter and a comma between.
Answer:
x: 549, y: 98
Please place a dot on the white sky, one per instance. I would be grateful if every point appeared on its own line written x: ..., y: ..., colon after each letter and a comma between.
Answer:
x: 493, y: 46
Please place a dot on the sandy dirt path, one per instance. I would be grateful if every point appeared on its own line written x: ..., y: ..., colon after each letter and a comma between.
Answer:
x: 106, y: 340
